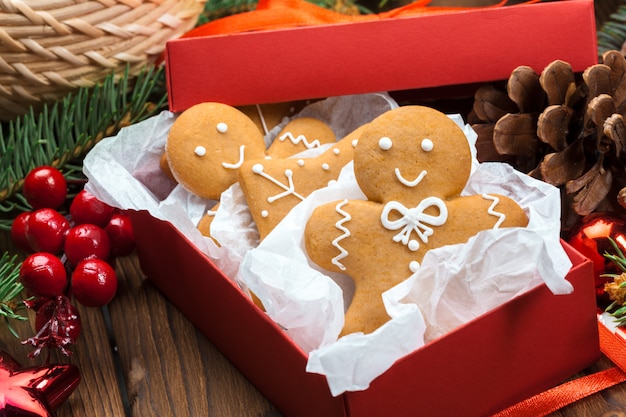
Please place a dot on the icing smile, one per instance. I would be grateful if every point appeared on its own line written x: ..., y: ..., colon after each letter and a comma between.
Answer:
x: 409, y: 183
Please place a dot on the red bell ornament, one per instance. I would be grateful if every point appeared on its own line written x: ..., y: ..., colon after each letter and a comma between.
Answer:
x: 34, y: 391
x: 591, y: 238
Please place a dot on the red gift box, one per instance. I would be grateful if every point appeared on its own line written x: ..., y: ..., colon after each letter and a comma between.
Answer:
x: 387, y: 54
x: 522, y: 348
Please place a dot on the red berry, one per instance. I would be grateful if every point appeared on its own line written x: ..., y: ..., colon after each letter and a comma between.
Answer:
x: 86, y: 241
x: 45, y: 187
x: 121, y: 235
x: 86, y: 208
x: 46, y: 229
x: 43, y: 274
x: 94, y: 283
x: 18, y: 231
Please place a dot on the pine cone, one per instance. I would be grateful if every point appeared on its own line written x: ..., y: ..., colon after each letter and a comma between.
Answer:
x: 564, y: 128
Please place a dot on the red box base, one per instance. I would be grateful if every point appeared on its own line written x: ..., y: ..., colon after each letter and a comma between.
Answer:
x: 511, y: 353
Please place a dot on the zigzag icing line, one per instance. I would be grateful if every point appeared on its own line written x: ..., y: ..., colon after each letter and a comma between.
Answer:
x: 339, y: 225
x: 301, y: 138
x: 501, y: 216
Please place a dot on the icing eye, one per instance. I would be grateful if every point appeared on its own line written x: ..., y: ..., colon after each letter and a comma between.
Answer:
x: 427, y: 145
x: 222, y: 127
x: 200, y: 151
x: 385, y: 143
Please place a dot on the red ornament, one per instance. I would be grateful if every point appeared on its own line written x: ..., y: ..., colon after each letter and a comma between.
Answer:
x: 34, y: 391
x: 591, y: 238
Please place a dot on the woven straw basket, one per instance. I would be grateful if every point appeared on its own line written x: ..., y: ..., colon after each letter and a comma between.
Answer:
x: 50, y: 47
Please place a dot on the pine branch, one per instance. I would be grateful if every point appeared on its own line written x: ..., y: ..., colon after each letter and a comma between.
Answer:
x: 63, y: 132
x: 612, y: 34
x: 10, y: 290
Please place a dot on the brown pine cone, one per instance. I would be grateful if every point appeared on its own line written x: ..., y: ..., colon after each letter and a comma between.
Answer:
x: 564, y: 128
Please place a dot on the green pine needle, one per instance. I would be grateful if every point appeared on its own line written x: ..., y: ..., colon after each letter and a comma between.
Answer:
x: 10, y: 290
x: 612, y: 34
x: 64, y: 131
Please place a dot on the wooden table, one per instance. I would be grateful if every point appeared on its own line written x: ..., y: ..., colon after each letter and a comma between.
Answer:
x: 141, y: 357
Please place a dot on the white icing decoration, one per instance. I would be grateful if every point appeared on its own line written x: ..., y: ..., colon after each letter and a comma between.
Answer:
x: 211, y: 212
x: 408, y: 183
x: 413, y: 220
x: 300, y: 139
x: 501, y: 216
x: 200, y: 150
x: 427, y: 145
x: 346, y: 233
x: 325, y: 167
x: 354, y: 142
x: 336, y: 151
x: 289, y: 189
x: 262, y: 118
x: 264, y: 213
x: 222, y: 127
x: 236, y: 165
x: 385, y: 143
x: 300, y: 162
x: 414, y: 266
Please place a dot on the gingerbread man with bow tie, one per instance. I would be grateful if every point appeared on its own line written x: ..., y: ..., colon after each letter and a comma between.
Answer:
x: 412, y: 163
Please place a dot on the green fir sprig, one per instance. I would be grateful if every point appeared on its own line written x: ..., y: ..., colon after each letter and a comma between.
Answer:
x: 10, y: 291
x: 612, y: 34
x: 61, y: 133
x: 617, y: 289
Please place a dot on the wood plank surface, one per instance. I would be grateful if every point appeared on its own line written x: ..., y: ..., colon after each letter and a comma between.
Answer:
x: 140, y: 357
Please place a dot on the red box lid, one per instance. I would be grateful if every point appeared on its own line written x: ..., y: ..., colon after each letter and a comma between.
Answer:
x: 391, y: 54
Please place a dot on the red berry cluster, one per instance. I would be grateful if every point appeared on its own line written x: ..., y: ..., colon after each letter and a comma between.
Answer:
x: 69, y: 256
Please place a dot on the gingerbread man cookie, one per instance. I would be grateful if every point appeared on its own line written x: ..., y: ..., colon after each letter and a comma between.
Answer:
x: 412, y: 164
x: 209, y: 141
x: 273, y: 187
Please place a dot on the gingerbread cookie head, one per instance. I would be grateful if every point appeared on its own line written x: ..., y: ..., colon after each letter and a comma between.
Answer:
x: 412, y: 164
x: 411, y: 152
x: 206, y: 146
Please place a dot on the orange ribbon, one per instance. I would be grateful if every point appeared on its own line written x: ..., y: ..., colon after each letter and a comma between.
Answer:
x: 281, y: 14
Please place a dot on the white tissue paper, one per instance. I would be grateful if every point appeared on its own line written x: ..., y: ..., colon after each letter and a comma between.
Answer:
x: 454, y: 284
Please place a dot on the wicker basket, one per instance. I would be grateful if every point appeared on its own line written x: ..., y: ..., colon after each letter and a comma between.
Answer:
x: 50, y: 47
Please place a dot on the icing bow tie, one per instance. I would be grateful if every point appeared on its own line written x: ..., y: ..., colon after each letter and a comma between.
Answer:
x: 414, y: 220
